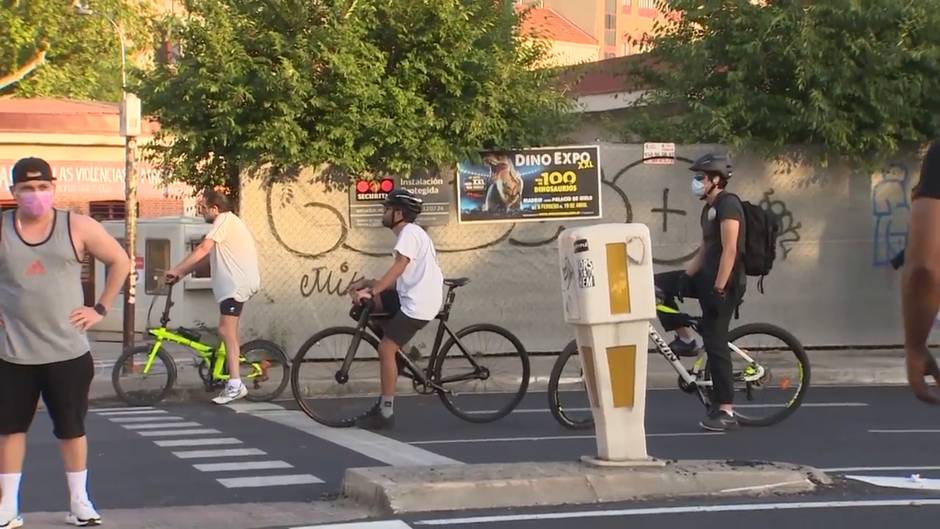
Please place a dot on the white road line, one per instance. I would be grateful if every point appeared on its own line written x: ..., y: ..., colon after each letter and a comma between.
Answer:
x: 232, y: 452
x: 876, y: 469
x: 550, y: 438
x: 384, y: 524
x: 249, y: 407
x: 684, y: 510
x: 154, y: 426
x: 913, y: 430
x: 132, y: 412
x: 122, y: 408
x: 218, y: 441
x: 246, y: 465
x: 171, y: 433
x: 369, y: 444
x: 269, y: 481
x: 895, y: 482
x: 804, y: 405
x: 145, y: 419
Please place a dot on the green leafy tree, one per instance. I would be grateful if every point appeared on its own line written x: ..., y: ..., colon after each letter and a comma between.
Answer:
x: 857, y: 79
x: 362, y: 86
x: 48, y: 49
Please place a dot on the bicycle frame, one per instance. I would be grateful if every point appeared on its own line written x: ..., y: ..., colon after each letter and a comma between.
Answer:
x: 421, y: 376
x: 691, y: 377
x: 201, y: 350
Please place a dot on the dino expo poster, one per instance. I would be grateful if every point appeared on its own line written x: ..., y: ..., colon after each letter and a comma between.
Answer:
x: 550, y: 183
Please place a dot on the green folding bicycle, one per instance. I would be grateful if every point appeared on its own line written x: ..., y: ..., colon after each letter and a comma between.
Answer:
x: 144, y: 375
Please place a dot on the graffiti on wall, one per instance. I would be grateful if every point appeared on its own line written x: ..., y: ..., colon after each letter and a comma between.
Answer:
x: 891, y: 210
x: 302, y: 203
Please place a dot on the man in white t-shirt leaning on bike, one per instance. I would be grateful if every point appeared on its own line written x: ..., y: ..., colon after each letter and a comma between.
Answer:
x: 412, y: 291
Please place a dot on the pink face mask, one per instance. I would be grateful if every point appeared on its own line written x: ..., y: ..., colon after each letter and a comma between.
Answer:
x: 35, y: 203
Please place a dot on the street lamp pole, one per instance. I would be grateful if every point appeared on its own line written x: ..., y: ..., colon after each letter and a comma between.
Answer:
x: 130, y: 128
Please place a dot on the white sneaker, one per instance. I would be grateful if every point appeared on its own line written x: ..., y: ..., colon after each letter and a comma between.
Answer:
x: 228, y: 395
x: 83, y: 514
x: 11, y: 523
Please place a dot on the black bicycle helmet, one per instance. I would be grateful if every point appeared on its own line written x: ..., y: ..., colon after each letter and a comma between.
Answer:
x: 408, y: 202
x: 713, y: 163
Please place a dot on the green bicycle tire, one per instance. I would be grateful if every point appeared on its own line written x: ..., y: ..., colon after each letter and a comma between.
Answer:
x: 162, y: 356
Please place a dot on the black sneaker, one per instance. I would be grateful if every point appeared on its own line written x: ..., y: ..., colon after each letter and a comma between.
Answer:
x: 374, y: 420
x: 720, y: 421
x: 683, y: 348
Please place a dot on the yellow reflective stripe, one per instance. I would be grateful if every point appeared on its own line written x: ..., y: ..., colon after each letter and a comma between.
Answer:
x: 667, y: 310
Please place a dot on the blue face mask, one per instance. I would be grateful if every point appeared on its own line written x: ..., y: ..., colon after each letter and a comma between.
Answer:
x: 698, y: 187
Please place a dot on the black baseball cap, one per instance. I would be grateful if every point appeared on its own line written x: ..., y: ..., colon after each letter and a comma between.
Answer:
x: 31, y: 169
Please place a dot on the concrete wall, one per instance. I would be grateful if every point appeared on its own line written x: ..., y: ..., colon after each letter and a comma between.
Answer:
x: 830, y: 286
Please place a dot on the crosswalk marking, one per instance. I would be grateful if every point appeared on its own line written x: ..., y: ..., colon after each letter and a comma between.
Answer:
x: 384, y: 524
x: 132, y: 412
x: 122, y: 408
x: 231, y: 452
x: 171, y: 433
x: 124, y: 420
x: 269, y: 481
x: 246, y: 465
x: 198, y: 442
x: 152, y: 426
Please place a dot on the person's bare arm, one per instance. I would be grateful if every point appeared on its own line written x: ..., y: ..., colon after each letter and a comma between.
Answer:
x: 729, y: 251
x: 920, y: 295
x: 192, y: 260
x: 95, y: 241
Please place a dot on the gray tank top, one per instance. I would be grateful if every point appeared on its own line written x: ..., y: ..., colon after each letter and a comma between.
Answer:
x: 40, y: 286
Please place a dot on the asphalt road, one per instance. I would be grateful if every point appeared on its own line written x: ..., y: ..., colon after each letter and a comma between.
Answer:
x: 281, y: 455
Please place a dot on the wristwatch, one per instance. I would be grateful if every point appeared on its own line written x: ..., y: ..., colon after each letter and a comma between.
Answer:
x: 99, y: 308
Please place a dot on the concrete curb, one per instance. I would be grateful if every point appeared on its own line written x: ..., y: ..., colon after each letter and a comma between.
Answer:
x: 395, y: 490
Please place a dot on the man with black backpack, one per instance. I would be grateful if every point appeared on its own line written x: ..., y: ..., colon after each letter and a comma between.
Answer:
x: 716, y: 277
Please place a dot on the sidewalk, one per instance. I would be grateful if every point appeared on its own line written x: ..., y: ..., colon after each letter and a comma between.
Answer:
x: 828, y: 367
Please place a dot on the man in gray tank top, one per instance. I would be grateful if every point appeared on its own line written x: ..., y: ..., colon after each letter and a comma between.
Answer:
x: 44, y: 351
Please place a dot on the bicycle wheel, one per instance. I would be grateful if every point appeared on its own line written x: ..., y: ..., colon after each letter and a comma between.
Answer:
x: 314, y: 384
x: 486, y: 373
x: 134, y: 386
x: 773, y: 382
x: 264, y: 369
x: 567, y: 395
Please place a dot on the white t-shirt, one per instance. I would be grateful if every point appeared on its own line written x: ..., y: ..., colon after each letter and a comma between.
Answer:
x: 421, y: 286
x: 234, y: 259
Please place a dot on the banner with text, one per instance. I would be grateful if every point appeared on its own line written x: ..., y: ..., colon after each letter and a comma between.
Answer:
x: 550, y: 183
x: 367, y: 194
x: 94, y: 180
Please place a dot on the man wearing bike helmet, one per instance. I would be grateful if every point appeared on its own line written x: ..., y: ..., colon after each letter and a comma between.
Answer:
x: 411, y: 291
x: 715, y: 276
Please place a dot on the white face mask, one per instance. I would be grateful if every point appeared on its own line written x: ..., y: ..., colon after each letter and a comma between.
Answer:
x: 698, y: 188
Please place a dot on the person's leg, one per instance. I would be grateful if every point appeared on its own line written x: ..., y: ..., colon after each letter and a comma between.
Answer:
x: 231, y: 311
x: 19, y: 392
x: 717, y: 313
x: 65, y: 393
x: 398, y: 332
x: 672, y: 284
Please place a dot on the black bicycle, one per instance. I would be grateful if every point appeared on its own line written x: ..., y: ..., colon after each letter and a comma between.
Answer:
x: 481, y: 372
x: 769, y: 366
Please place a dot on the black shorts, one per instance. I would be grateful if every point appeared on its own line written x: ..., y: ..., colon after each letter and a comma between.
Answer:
x: 63, y: 387
x: 230, y: 307
x: 399, y: 328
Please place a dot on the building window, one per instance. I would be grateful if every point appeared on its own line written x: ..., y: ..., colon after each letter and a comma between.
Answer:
x: 156, y: 263
x: 647, y: 4
x: 107, y: 210
x: 205, y: 268
x: 610, y: 23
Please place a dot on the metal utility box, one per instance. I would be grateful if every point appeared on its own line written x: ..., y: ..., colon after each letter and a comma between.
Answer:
x: 161, y: 243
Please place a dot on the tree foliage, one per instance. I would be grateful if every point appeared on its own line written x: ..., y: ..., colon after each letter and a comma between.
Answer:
x: 363, y: 86
x: 860, y: 79
x: 48, y: 49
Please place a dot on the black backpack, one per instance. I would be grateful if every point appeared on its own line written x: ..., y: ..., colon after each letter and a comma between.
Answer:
x: 760, y: 240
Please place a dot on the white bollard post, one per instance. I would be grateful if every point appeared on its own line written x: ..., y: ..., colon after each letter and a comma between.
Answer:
x: 609, y: 299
